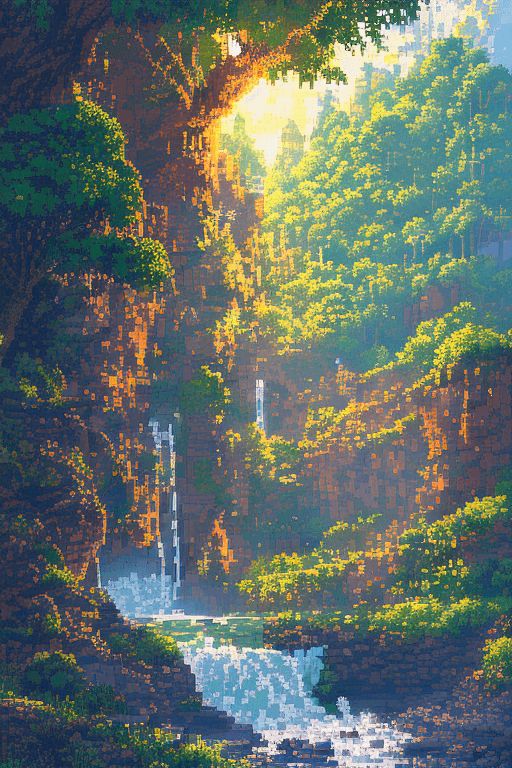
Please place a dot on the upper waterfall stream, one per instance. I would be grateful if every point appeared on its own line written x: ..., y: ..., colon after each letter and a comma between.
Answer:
x: 272, y: 691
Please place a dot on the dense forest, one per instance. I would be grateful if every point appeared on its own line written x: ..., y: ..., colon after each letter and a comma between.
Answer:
x: 408, y: 193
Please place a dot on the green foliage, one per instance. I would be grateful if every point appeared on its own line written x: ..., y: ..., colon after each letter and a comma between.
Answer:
x: 444, y: 593
x: 318, y: 575
x: 10, y: 675
x: 324, y: 687
x: 141, y: 262
x: 344, y: 536
x: 66, y: 159
x: 50, y: 553
x: 429, y: 547
x: 58, y: 577
x: 206, y: 393
x: 419, y: 352
x: 191, y: 704
x: 274, y: 25
x: 241, y: 146
x: 497, y: 662
x: 64, y: 180
x: 439, y: 344
x: 147, y: 645
x: 431, y: 617
x: 99, y: 699
x: 56, y: 674
x: 358, y: 229
x: 271, y: 458
x: 205, y: 482
x: 85, y: 756
x: 51, y: 624
x: 297, y: 579
x: 41, y: 11
x: 438, y: 592
x: 158, y: 749
x: 307, y: 32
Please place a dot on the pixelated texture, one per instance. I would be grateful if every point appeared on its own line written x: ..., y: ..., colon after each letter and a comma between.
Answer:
x: 222, y: 393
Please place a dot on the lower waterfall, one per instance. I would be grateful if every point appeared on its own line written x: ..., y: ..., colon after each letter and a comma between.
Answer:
x: 272, y: 691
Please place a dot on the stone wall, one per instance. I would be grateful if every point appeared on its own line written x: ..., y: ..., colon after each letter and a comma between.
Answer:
x: 386, y: 673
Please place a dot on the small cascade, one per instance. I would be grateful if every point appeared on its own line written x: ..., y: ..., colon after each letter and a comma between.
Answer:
x: 151, y: 585
x: 139, y: 596
x: 176, y: 547
x: 98, y: 572
x: 169, y: 542
x: 260, y: 404
x: 272, y: 691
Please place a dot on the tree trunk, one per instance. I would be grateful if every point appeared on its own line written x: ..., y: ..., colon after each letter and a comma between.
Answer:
x: 37, y: 64
x: 13, y: 313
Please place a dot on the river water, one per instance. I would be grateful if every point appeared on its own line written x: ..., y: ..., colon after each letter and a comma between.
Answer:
x: 272, y: 691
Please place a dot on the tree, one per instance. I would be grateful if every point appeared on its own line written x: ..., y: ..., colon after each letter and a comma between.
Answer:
x: 46, y: 42
x: 64, y: 179
x: 241, y: 146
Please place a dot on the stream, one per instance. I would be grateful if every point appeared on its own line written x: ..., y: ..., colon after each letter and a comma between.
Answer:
x: 272, y: 691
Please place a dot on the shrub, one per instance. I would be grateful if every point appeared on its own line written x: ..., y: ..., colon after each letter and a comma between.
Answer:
x: 206, y: 392
x: 415, y: 619
x: 51, y: 624
x: 147, y: 645
x: 98, y: 699
x: 51, y: 554
x: 158, y: 749
x: 429, y: 545
x: 497, y: 661
x: 58, y: 577
x: 56, y: 674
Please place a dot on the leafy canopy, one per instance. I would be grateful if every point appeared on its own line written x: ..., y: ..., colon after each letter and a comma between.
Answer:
x: 63, y: 176
x: 305, y: 31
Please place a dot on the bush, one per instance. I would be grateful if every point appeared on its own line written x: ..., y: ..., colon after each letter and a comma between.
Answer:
x: 51, y: 624
x: 147, y: 645
x: 497, y: 661
x: 430, y: 617
x: 55, y: 674
x: 99, y: 699
x: 206, y: 392
x: 58, y: 577
x: 429, y: 545
x: 51, y: 554
x: 158, y: 749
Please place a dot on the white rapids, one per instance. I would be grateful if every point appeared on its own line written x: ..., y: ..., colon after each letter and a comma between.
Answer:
x: 271, y: 690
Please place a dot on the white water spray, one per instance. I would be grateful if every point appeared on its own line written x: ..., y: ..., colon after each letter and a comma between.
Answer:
x: 271, y: 690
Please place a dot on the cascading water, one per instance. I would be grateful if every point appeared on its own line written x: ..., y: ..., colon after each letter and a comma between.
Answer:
x: 148, y: 591
x: 271, y: 690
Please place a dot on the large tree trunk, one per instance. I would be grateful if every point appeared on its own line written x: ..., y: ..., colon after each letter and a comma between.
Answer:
x: 13, y: 312
x: 37, y: 64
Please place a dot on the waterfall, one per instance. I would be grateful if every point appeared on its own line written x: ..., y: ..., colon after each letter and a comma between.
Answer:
x: 98, y: 572
x: 169, y: 544
x: 260, y: 404
x: 176, y: 547
x: 271, y: 690
x: 151, y: 582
